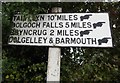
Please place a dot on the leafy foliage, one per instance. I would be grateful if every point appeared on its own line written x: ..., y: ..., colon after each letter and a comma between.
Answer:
x: 25, y: 63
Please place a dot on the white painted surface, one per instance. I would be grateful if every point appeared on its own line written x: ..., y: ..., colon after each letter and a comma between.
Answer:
x: 53, y: 72
x: 56, y: 25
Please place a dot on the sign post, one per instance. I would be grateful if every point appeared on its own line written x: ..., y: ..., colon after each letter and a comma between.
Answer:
x: 53, y: 69
x: 61, y: 30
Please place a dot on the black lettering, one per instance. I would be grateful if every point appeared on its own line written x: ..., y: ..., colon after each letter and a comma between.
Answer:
x: 31, y: 40
x: 24, y: 24
x: 20, y: 32
x: 40, y: 32
x: 88, y: 40
x: 65, y: 33
x: 23, y: 39
x: 10, y: 39
x: 51, y: 32
x: 18, y: 18
x: 25, y: 32
x: 34, y: 32
x: 76, y: 32
x: 67, y: 41
x: 18, y: 40
x: 62, y: 40
x: 35, y: 40
x: 48, y: 17
x: 29, y: 25
x: 73, y: 40
x: 45, y: 39
x: 17, y: 24
x: 27, y: 39
x: 51, y: 40
x: 30, y: 32
x: 71, y: 32
x: 14, y: 18
x: 52, y: 26
x: 67, y: 24
x: 89, y: 25
x: 65, y: 18
x: 59, y: 17
x: 15, y: 40
x: 48, y: 25
x: 14, y: 25
x: 44, y: 23
x: 51, y: 17
x: 61, y: 25
x: 70, y: 18
x: 44, y: 32
x: 73, y: 24
x: 39, y: 39
x: 78, y: 40
x: 39, y: 17
x: 94, y: 41
x: 37, y: 25
x: 57, y: 40
x: 83, y: 41
x: 84, y: 24
x: 75, y: 17
x: 59, y: 32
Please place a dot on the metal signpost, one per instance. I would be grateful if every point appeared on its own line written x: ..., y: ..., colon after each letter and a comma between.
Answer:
x: 61, y: 30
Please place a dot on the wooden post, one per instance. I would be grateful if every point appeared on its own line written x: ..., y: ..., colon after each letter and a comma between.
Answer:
x: 53, y: 68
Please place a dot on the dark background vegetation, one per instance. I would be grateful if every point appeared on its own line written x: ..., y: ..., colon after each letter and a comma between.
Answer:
x: 29, y: 63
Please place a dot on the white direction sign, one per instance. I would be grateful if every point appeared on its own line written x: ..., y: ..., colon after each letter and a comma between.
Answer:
x: 65, y: 29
